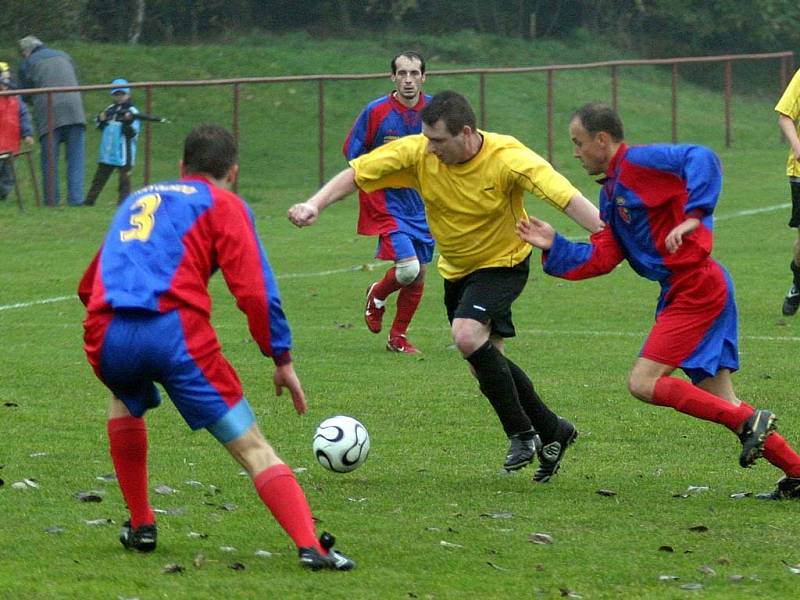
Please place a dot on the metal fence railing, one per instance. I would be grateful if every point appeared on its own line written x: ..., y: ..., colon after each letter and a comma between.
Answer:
x: 786, y: 67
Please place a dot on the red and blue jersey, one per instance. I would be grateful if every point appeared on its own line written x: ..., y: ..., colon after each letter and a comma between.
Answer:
x: 388, y: 210
x: 647, y: 192
x: 164, y: 244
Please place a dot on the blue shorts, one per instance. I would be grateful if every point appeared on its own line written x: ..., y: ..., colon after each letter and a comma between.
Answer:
x: 398, y: 246
x: 131, y: 351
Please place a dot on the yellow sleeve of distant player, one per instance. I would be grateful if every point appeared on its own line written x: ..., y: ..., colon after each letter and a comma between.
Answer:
x: 533, y: 173
x: 789, y: 104
x: 392, y: 165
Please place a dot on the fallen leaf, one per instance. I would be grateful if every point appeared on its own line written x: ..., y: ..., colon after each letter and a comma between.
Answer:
x: 199, y: 561
x: 498, y: 515
x: 792, y: 568
x: 706, y: 570
x: 227, y: 549
x: 739, y: 495
x: 10, y: 404
x: 38, y: 454
x: 496, y: 567
x: 2, y: 483
x: 540, y: 538
x: 668, y: 577
x: 31, y: 482
x: 723, y: 560
x: 568, y: 593
x: 98, y: 522
x: 173, y: 568
x: 109, y: 477
x: 603, y: 492
x: 263, y: 553
x: 194, y: 483
x: 666, y: 549
x: 55, y: 529
x: 299, y: 470
x: 692, y: 586
x: 229, y: 506
x: 90, y: 496
x: 19, y: 485
x: 353, y: 499
x: 237, y: 566
x: 165, y: 490
x: 699, y: 528
x: 196, y: 535
x: 735, y: 578
x: 697, y: 489
x: 449, y: 544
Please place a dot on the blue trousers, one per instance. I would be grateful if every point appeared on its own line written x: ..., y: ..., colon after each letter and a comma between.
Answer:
x: 72, y: 137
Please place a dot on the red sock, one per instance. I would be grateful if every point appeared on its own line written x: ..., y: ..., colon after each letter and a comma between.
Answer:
x: 283, y: 496
x: 407, y: 302
x: 778, y: 452
x: 386, y: 286
x: 692, y: 400
x: 127, y: 438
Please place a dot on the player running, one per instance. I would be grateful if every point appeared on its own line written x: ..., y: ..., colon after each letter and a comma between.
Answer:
x: 395, y: 215
x: 657, y: 202
x: 472, y: 183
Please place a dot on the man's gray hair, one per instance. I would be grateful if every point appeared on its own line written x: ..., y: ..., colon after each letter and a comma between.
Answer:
x: 29, y: 42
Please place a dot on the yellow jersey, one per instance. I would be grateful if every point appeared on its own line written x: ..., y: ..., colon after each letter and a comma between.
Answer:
x: 789, y: 105
x: 472, y: 207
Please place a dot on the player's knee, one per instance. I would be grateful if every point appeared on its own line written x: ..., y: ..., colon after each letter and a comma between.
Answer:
x: 406, y: 272
x: 640, y: 387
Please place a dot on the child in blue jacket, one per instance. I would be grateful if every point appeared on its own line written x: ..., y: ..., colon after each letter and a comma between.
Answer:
x: 120, y: 129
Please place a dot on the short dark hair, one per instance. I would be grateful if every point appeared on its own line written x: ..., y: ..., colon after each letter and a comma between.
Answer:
x: 211, y: 149
x: 452, y: 108
x: 596, y: 117
x: 410, y: 54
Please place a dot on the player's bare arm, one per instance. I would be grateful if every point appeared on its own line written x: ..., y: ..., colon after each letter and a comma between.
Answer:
x: 285, y: 377
x: 306, y: 213
x: 674, y: 239
x: 584, y: 213
x: 789, y: 129
x: 536, y: 232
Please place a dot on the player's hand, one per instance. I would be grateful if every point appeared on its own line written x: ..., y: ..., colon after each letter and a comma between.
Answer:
x: 28, y: 140
x: 674, y: 239
x: 128, y: 116
x: 536, y: 232
x: 285, y: 377
x: 303, y: 214
x: 102, y: 116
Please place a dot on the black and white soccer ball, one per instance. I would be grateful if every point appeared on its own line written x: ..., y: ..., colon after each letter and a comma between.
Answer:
x: 341, y: 444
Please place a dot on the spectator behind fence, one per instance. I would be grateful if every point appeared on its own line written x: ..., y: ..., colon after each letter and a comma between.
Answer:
x: 15, y: 125
x: 120, y: 130
x: 43, y: 67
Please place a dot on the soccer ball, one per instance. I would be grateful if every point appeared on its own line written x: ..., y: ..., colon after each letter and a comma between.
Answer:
x: 341, y: 444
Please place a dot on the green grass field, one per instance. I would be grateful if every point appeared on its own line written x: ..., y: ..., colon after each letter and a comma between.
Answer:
x: 429, y: 515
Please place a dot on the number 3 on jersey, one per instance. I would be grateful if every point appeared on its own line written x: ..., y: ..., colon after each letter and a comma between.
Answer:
x: 142, y: 219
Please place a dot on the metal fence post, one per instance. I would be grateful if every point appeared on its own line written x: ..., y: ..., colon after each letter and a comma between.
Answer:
x: 321, y: 91
x: 674, y: 102
x: 550, y: 111
x: 52, y: 171
x: 727, y: 96
x: 236, y: 127
x: 148, y: 104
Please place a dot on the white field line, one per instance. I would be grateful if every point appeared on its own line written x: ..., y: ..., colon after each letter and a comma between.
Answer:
x: 370, y: 266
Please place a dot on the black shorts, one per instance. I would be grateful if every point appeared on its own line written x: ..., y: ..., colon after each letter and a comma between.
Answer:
x: 486, y: 295
x: 795, y: 220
